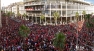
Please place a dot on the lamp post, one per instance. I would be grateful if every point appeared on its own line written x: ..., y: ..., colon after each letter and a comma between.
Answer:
x: 77, y: 16
x: 77, y: 36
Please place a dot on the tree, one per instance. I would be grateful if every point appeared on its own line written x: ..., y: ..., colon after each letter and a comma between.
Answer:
x: 88, y: 17
x: 59, y: 41
x: 56, y: 16
x: 24, y: 15
x: 42, y: 17
x: 24, y: 31
x: 77, y: 16
x: 84, y: 13
x: 88, y: 24
x: 13, y: 14
x: 8, y: 14
x: 4, y: 14
x: 19, y: 15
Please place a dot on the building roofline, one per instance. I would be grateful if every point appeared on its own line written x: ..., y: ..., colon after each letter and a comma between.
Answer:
x: 84, y: 2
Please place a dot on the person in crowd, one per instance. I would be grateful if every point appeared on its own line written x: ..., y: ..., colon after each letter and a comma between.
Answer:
x: 41, y: 37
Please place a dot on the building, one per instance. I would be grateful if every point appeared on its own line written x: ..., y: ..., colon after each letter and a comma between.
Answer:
x: 21, y: 8
x: 66, y: 9
x: 3, y: 9
x: 8, y: 8
x: 16, y: 8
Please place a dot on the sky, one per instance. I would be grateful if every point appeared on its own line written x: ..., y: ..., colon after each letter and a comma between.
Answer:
x: 8, y: 2
x: 91, y: 1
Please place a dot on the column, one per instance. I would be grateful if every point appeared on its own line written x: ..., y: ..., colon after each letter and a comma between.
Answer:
x: 66, y: 12
x: 71, y: 17
x: 71, y: 13
x: 32, y: 18
x: 81, y: 17
x: 61, y: 12
x: 0, y: 15
x: 50, y: 13
x: 45, y: 13
x: 45, y: 19
x: 36, y: 18
x: 78, y: 10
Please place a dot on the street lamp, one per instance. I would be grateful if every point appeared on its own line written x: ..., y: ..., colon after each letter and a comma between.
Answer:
x: 77, y: 15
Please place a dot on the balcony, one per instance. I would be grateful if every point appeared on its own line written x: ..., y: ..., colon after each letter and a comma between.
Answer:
x: 38, y: 9
x: 34, y: 3
x: 35, y: 15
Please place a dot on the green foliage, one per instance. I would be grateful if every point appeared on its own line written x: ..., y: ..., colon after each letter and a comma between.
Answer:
x: 77, y: 14
x: 4, y: 14
x: 89, y: 25
x: 18, y: 14
x: 42, y: 17
x: 59, y: 40
x: 24, y: 31
x: 84, y: 12
x: 56, y: 15
x: 92, y: 20
x: 9, y: 14
x: 13, y: 13
x: 24, y: 15
x: 88, y: 16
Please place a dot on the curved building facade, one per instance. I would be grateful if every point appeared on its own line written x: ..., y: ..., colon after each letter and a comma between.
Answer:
x: 66, y: 9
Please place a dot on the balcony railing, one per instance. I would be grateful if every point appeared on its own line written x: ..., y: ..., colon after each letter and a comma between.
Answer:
x: 35, y: 3
x: 38, y: 9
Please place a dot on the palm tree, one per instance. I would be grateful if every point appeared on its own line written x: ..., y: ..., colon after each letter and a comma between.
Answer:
x: 59, y: 41
x: 56, y: 16
x: 24, y: 16
x: 42, y: 17
x: 88, y: 24
x: 8, y: 14
x: 87, y: 18
x: 13, y: 14
x: 77, y: 16
x: 84, y: 13
x: 24, y: 31
x: 19, y: 15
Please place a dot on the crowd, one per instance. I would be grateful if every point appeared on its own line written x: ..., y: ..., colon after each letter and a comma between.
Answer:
x: 41, y: 37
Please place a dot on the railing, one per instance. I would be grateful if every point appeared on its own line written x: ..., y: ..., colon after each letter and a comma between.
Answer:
x: 30, y: 9
x: 35, y: 3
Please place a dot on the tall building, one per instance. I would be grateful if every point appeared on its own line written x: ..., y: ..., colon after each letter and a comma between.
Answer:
x: 3, y: 9
x: 9, y: 7
x: 66, y: 9
x: 21, y: 8
x: 16, y: 8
